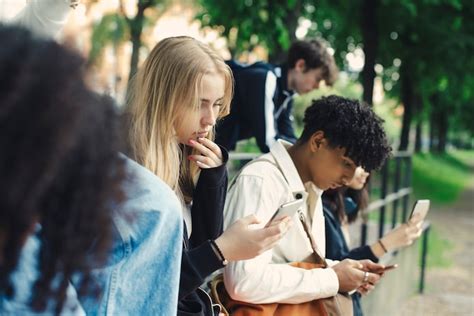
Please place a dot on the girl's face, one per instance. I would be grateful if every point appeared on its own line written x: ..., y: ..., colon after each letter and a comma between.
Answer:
x: 360, y: 177
x: 198, y: 124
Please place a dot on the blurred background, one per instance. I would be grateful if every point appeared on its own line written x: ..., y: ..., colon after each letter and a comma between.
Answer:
x: 410, y: 59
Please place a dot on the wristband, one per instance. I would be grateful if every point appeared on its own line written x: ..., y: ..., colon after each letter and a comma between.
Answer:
x: 219, y: 252
x: 382, y: 245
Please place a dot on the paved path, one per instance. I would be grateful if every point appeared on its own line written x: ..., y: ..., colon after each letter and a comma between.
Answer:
x: 450, y: 291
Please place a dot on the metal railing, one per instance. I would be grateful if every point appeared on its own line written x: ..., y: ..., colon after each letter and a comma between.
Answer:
x: 390, y: 188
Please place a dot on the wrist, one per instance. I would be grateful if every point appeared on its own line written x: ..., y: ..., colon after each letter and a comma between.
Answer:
x: 221, y: 244
x: 218, y: 252
x: 384, y: 244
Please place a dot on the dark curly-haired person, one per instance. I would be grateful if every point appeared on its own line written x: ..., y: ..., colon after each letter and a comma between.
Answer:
x: 83, y: 229
x: 59, y: 175
x: 339, y: 135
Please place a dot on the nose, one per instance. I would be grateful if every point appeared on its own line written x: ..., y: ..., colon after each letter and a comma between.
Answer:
x: 347, y: 178
x: 209, y: 117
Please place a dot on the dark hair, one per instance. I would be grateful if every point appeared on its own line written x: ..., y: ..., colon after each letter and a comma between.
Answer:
x: 315, y: 55
x: 59, y: 166
x: 351, y: 125
x: 335, y: 199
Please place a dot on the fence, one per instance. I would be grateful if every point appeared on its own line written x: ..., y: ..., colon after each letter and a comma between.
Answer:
x: 390, y: 190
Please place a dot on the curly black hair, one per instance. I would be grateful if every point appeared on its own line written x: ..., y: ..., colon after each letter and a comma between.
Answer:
x: 351, y: 125
x: 59, y: 166
x: 315, y: 54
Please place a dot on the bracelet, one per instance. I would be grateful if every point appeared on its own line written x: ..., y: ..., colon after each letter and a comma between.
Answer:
x: 382, y: 245
x: 218, y: 252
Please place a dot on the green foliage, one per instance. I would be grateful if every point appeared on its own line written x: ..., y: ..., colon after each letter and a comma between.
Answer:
x: 253, y: 22
x: 111, y: 29
x: 441, y: 178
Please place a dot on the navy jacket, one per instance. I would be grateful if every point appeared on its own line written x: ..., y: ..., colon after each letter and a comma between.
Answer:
x: 337, y: 249
x: 198, y: 259
x: 247, y: 113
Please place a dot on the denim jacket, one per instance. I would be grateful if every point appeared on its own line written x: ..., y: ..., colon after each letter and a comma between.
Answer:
x: 23, y: 278
x: 141, y: 276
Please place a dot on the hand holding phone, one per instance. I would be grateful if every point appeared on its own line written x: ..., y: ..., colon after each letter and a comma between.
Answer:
x: 287, y: 209
x: 386, y: 268
x: 420, y: 209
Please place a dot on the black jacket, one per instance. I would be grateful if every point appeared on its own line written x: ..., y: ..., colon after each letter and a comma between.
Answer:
x: 199, y: 260
x: 337, y: 249
x: 247, y: 113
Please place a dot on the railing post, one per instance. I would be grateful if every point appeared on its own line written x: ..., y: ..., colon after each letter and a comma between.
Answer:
x: 396, y: 187
x: 383, y: 195
x: 424, y: 251
x: 407, y: 184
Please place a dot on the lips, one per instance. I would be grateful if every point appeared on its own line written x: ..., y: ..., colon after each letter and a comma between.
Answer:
x: 202, y: 134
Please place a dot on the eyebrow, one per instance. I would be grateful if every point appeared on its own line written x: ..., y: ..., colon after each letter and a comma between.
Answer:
x: 208, y: 101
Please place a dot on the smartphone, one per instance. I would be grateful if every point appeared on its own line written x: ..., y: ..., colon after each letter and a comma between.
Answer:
x: 387, y: 268
x: 286, y: 209
x: 421, y: 207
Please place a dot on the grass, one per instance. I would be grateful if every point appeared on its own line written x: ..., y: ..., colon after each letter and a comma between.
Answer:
x: 439, y: 250
x: 441, y: 178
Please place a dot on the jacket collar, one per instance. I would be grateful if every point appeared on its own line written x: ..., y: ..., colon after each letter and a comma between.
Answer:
x: 279, y: 151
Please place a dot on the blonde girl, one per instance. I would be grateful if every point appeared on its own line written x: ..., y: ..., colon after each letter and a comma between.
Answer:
x: 179, y: 94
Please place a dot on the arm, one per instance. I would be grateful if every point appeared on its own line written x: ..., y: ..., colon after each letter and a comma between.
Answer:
x: 44, y: 17
x: 336, y: 247
x: 196, y: 265
x: 402, y: 236
x: 259, y: 280
x: 285, y: 123
x: 208, y: 203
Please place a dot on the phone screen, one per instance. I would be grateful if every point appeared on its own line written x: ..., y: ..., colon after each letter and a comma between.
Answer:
x: 421, y: 207
x: 287, y: 209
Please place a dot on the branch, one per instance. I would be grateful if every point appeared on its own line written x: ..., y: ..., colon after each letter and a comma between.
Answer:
x: 122, y: 10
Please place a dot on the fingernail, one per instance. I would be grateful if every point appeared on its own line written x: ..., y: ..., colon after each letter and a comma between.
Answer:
x: 192, y: 141
x: 190, y: 158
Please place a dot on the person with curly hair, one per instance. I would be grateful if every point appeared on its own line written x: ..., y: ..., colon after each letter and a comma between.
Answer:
x: 59, y: 172
x: 262, y: 104
x: 82, y: 228
x: 339, y: 135
x: 341, y: 207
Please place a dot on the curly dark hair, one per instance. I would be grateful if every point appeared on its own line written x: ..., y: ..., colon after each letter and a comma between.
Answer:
x: 315, y: 54
x: 59, y: 166
x: 351, y: 125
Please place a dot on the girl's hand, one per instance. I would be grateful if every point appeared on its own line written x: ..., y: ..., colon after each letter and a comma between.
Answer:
x: 211, y: 154
x: 241, y: 241
x: 404, y: 235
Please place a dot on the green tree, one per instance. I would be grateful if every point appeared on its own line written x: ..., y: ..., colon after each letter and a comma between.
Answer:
x: 119, y: 27
x: 247, y: 23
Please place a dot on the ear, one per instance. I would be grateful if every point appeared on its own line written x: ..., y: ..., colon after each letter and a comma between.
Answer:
x: 316, y: 141
x: 300, y: 65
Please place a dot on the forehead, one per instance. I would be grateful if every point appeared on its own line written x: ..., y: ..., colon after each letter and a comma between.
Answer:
x: 212, y: 86
x: 315, y: 72
x: 339, y: 152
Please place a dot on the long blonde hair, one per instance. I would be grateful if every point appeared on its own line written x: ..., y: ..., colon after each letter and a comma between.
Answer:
x: 170, y: 79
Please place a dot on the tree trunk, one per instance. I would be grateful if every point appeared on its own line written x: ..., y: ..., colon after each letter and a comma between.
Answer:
x: 433, y: 123
x: 407, y: 100
x: 418, y: 136
x: 370, y: 41
x: 419, y: 123
x: 442, y: 131
x: 136, y: 28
